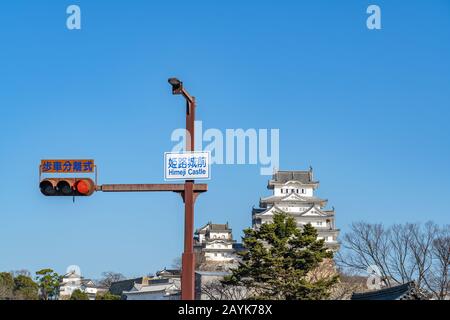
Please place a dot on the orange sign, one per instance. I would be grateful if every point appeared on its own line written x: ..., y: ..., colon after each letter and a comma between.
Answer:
x: 67, y: 166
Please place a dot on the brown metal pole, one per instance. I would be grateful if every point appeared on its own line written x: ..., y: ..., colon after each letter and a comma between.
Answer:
x: 188, y: 258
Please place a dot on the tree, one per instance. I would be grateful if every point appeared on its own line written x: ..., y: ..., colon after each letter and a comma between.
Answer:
x: 6, y: 286
x: 401, y: 253
x: 25, y: 288
x: 48, y: 281
x: 438, y: 279
x: 278, y: 262
x: 77, y: 294
x: 217, y: 290
x: 20, y: 287
x: 347, y: 285
x: 107, y: 296
x: 176, y: 263
x: 109, y: 277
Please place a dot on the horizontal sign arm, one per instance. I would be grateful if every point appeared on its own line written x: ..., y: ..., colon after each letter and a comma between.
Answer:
x: 174, y: 187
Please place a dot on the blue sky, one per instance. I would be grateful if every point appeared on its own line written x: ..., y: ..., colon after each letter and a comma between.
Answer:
x: 369, y: 110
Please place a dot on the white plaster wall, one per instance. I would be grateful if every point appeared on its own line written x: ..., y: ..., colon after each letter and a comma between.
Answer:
x: 307, y: 191
x: 218, y: 235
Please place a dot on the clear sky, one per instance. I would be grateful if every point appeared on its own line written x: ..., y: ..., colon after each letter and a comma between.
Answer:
x: 368, y: 110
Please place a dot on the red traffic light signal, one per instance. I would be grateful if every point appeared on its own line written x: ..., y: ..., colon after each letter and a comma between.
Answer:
x: 67, y: 187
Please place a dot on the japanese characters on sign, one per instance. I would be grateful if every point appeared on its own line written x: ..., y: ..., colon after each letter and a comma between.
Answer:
x: 187, y: 165
x: 67, y: 166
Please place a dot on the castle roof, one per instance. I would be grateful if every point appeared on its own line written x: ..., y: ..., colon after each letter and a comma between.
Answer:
x: 282, y: 177
x: 293, y: 197
x: 312, y: 211
x: 258, y: 210
x: 72, y: 274
x: 406, y: 291
x: 168, y: 272
x: 118, y: 287
x: 213, y: 227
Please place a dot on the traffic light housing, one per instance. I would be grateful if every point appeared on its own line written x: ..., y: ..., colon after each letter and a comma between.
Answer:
x: 67, y: 187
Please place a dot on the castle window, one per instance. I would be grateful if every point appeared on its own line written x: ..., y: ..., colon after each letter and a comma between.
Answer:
x: 282, y: 191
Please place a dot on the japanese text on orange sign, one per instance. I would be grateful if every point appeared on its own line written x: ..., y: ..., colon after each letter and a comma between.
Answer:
x: 67, y: 166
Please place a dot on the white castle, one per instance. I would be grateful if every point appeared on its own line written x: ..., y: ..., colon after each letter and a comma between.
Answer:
x: 293, y: 193
x: 214, y: 243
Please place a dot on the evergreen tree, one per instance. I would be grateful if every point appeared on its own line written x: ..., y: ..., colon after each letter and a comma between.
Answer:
x: 6, y: 286
x: 278, y: 259
x: 77, y: 294
x: 48, y: 284
x: 25, y: 288
x: 107, y: 296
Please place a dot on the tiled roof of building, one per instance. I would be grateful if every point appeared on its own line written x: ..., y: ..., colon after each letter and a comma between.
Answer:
x: 295, y: 198
x: 146, y: 289
x: 212, y: 273
x: 304, y: 177
x: 71, y: 274
x: 258, y: 210
x: 125, y: 285
x: 88, y: 283
x: 213, y: 227
x: 168, y: 272
x: 154, y: 281
x: 168, y: 286
x: 407, y: 291
x: 310, y: 208
x: 219, y: 227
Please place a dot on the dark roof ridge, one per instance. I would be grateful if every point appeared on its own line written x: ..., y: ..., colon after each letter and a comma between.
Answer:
x: 396, y: 292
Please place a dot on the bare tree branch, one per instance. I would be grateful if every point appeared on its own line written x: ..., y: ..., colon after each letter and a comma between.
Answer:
x: 402, y: 253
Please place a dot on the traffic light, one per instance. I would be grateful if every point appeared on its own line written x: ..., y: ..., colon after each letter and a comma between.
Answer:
x: 67, y: 187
